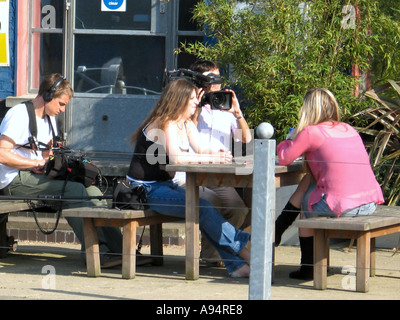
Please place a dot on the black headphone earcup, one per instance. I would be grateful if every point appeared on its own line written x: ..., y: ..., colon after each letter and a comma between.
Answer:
x: 47, y: 96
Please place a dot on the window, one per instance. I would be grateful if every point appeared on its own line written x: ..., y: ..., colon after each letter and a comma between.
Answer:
x: 136, y: 17
x: 124, y: 64
x: 118, y: 52
x: 187, y: 31
x: 109, y: 52
x: 46, y: 40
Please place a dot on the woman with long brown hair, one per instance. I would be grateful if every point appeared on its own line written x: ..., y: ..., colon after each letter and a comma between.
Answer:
x: 168, y: 135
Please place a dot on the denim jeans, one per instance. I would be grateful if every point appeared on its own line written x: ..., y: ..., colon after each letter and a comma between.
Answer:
x: 321, y: 208
x: 168, y: 198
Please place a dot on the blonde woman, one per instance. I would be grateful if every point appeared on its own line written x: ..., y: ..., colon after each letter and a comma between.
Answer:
x: 168, y: 135
x: 341, y: 181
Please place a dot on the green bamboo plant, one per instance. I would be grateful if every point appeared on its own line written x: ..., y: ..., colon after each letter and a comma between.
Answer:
x: 382, y: 136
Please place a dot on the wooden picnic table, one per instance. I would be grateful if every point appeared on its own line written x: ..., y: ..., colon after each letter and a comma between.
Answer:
x: 239, y: 174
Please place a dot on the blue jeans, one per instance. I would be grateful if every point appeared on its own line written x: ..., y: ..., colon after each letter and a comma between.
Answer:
x: 169, y: 199
x: 321, y: 208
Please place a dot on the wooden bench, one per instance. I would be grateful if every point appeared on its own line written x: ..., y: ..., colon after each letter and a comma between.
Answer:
x: 386, y: 220
x: 5, y: 208
x: 129, y: 220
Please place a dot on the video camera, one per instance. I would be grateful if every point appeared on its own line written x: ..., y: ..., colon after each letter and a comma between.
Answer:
x: 218, y: 100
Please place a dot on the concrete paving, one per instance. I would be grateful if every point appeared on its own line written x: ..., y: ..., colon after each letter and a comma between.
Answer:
x: 56, y: 271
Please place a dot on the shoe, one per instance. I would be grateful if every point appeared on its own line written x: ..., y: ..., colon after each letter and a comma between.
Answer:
x: 211, y: 263
x: 304, y: 273
x: 242, y: 272
x: 110, y: 260
x: 142, y: 260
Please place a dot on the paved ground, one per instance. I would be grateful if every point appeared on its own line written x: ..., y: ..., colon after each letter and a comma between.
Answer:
x: 45, y: 271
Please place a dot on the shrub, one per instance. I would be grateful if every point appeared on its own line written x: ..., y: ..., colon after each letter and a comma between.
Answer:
x: 276, y: 50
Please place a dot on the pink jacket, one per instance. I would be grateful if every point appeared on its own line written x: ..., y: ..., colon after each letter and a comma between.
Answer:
x: 339, y: 163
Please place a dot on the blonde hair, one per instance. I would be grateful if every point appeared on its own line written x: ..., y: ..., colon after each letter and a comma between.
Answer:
x: 319, y: 105
x: 171, y: 105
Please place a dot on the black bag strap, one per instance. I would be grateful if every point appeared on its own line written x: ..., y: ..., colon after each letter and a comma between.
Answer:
x: 32, y: 118
x: 33, y: 143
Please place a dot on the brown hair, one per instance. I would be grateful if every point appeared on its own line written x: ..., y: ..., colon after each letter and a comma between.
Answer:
x: 171, y: 105
x: 63, y: 88
x: 202, y: 66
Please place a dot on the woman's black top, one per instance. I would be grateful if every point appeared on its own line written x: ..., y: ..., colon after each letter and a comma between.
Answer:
x: 149, y: 161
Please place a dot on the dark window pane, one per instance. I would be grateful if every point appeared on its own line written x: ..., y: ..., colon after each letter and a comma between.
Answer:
x: 103, y: 63
x: 185, y: 15
x: 46, y: 56
x: 136, y: 17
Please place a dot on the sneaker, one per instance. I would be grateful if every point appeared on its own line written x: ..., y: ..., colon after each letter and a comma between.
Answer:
x: 142, y: 260
x: 211, y: 263
x: 110, y: 260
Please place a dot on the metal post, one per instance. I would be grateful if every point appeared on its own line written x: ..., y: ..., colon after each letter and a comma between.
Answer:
x: 262, y: 220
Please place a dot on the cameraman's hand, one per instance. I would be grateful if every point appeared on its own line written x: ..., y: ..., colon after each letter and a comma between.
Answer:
x: 200, y: 95
x: 235, y: 105
x: 38, y: 168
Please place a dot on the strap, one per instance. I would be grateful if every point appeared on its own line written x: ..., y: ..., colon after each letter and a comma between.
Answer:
x: 32, y: 118
x: 33, y: 144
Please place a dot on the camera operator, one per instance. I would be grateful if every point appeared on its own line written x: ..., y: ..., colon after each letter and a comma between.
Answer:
x: 217, y: 127
x: 22, y: 161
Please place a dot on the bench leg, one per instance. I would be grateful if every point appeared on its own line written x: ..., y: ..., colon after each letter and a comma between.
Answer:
x: 363, y: 262
x: 156, y: 241
x: 129, y: 250
x: 3, y: 236
x: 373, y: 260
x: 192, y: 250
x: 92, y: 248
x: 321, y: 252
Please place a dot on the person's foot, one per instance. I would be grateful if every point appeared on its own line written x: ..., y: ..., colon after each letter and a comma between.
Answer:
x: 211, y: 263
x: 304, y: 273
x: 110, y: 260
x: 242, y: 272
x: 142, y: 260
x: 245, y: 255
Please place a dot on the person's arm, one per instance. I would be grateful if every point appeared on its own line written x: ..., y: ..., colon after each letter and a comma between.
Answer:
x: 289, y: 150
x: 242, y: 133
x: 178, y: 156
x: 10, y: 159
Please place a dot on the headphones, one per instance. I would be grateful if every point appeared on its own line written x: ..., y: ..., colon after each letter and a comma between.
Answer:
x: 49, y: 94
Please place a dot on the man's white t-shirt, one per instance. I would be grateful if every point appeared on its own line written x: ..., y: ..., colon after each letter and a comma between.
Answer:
x: 216, y: 129
x: 15, y: 125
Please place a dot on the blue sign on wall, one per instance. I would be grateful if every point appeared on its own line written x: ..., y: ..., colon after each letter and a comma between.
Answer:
x: 113, y: 5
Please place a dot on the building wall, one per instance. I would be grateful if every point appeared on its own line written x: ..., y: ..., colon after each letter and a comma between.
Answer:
x: 7, y: 74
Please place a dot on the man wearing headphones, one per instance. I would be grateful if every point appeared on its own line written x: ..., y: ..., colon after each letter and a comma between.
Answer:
x: 21, y: 165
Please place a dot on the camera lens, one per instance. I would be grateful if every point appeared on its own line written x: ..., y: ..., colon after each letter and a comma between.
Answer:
x: 218, y: 99
x: 221, y: 100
